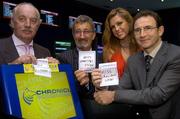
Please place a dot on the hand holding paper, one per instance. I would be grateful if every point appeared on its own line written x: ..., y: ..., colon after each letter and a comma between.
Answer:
x: 52, y: 60
x: 96, y: 77
x: 25, y: 59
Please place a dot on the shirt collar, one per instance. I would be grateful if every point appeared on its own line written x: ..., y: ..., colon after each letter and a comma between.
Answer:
x: 18, y: 42
x: 82, y: 50
x: 154, y: 51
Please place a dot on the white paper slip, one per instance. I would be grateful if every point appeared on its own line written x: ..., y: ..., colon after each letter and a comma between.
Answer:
x: 42, y: 63
x: 87, y: 60
x: 42, y: 68
x: 41, y: 71
x: 109, y: 74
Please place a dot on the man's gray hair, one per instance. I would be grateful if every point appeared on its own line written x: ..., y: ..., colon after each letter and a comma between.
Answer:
x: 83, y: 19
x: 25, y: 3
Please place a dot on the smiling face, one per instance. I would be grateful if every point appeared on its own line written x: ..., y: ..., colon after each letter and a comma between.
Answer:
x: 25, y: 22
x: 83, y: 35
x: 146, y: 32
x: 119, y: 27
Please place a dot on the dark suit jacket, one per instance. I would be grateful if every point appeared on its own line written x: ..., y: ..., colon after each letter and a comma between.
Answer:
x: 8, y: 51
x: 157, y: 92
x: 72, y: 57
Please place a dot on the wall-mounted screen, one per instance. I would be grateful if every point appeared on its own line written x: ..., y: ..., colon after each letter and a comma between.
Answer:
x: 49, y: 18
x: 71, y: 21
x: 7, y: 9
x: 98, y: 25
x: 61, y: 46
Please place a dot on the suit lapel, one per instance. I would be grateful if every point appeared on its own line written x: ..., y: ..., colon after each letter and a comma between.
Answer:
x: 141, y: 69
x: 10, y: 52
x: 75, y: 59
x: 37, y: 52
x: 157, y: 63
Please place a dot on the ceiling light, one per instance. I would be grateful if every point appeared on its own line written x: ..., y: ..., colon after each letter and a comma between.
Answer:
x: 111, y: 0
x: 162, y: 0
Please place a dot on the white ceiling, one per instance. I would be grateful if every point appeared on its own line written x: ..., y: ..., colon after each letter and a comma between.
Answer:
x: 133, y: 5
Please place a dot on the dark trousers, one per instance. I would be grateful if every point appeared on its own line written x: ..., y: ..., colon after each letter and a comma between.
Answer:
x: 93, y: 110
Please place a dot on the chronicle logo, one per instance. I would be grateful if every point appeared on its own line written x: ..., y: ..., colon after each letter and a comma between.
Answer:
x: 28, y: 96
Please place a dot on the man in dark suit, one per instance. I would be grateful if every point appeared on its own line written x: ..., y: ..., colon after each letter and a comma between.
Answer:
x: 20, y: 48
x: 153, y: 86
x: 83, y: 31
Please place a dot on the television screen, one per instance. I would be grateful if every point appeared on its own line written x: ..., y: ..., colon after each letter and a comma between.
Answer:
x: 7, y: 9
x: 98, y: 25
x: 49, y: 18
x: 71, y: 21
x: 61, y: 46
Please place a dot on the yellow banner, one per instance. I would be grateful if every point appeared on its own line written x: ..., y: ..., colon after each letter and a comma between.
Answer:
x: 45, y: 98
x: 28, y: 68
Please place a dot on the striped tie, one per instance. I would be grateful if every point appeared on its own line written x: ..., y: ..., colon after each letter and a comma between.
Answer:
x: 27, y: 49
x: 148, y: 62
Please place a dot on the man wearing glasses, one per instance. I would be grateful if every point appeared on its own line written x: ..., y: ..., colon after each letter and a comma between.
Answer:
x: 83, y: 31
x: 151, y: 83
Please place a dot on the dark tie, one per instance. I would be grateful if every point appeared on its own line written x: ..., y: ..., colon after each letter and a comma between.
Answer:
x: 147, y: 62
x: 90, y: 89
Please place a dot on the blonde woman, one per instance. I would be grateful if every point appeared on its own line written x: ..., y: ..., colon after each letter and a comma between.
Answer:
x: 118, y: 39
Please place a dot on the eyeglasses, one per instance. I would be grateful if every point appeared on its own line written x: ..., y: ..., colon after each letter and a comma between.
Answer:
x: 85, y: 32
x: 146, y: 29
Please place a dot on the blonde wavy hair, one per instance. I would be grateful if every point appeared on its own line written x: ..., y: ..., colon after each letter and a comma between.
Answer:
x: 110, y: 42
